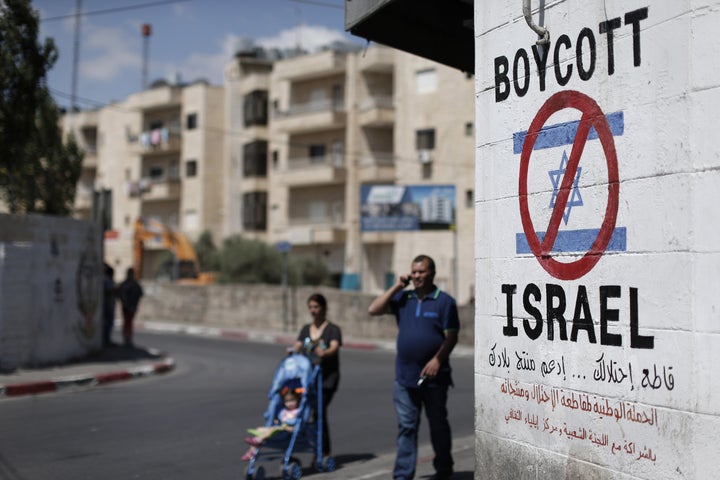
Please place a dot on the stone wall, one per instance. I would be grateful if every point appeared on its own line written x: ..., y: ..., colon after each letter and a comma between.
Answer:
x: 260, y: 307
x: 50, y: 289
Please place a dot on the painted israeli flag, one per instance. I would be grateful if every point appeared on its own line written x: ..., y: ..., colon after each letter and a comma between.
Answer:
x: 559, y: 135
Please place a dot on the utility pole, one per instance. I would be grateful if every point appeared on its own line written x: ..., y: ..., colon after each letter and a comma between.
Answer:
x: 146, y: 32
x: 76, y: 55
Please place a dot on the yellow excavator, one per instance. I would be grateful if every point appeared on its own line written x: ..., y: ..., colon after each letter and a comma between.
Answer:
x: 183, y: 268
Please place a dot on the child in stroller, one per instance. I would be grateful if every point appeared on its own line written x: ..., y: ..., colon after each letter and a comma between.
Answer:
x: 293, y: 421
x: 285, y: 421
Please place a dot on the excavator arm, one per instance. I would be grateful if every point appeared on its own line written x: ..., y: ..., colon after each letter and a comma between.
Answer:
x: 186, y: 268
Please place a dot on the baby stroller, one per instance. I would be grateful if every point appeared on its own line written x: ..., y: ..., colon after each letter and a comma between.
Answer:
x: 296, y: 372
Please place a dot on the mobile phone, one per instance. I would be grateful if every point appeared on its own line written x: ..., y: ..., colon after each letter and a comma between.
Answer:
x: 422, y: 380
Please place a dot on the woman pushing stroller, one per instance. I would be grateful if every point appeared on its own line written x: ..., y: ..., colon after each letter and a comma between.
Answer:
x: 297, y: 415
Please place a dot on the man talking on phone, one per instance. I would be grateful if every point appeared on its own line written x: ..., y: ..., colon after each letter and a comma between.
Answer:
x: 428, y: 325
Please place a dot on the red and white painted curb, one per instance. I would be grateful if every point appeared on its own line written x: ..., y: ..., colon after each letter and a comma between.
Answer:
x: 251, y: 336
x: 89, y: 380
x: 273, y: 337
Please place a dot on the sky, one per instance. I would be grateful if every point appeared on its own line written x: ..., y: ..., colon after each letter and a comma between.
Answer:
x: 194, y: 39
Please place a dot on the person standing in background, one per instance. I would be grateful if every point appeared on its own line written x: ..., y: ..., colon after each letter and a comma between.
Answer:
x: 129, y: 292
x: 109, y: 304
x: 428, y: 325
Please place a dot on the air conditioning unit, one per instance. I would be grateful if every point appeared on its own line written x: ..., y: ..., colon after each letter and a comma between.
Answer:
x: 424, y: 156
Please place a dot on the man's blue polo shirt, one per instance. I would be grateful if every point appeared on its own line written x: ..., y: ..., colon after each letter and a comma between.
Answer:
x: 421, y: 331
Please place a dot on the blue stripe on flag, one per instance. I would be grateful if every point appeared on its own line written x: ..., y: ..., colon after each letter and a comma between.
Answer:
x: 576, y: 241
x: 564, y: 133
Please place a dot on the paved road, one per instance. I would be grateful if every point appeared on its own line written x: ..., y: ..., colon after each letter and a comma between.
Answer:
x: 189, y: 423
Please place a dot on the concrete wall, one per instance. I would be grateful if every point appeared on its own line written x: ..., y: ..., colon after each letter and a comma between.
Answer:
x: 50, y: 289
x: 260, y: 307
x: 596, y: 349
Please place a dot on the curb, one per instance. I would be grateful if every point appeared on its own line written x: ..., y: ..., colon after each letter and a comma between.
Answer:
x: 271, y: 337
x: 60, y: 383
x: 249, y: 335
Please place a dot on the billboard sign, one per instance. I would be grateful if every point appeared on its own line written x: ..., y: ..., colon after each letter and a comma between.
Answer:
x: 407, y: 207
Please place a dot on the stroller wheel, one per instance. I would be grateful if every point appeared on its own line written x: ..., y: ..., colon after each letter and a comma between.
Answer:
x: 292, y: 472
x: 329, y: 464
x: 260, y: 473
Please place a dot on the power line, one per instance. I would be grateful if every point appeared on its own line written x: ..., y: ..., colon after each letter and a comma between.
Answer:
x: 167, y: 2
x: 116, y: 9
x: 320, y: 4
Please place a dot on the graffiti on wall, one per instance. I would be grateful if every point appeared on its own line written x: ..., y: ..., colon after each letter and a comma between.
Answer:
x: 572, y: 362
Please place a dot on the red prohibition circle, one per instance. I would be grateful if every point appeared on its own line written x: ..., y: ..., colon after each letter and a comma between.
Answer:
x: 592, y: 116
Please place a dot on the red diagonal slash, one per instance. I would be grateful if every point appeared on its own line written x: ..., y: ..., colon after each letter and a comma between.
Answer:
x: 592, y: 116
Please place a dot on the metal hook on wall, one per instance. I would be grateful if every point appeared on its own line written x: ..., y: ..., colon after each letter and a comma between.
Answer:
x: 542, y: 32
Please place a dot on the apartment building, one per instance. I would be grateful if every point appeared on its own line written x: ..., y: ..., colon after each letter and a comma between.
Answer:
x: 286, y: 151
x: 160, y: 154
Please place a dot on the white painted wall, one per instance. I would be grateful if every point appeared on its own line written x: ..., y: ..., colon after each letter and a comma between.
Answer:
x: 641, y: 399
x: 50, y: 289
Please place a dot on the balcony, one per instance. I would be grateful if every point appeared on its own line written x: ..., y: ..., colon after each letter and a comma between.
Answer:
x: 155, y: 98
x: 307, y: 117
x: 377, y: 59
x: 154, y: 189
x: 377, y: 111
x: 83, y: 198
x: 313, y: 171
x: 305, y: 67
x: 377, y: 167
x: 157, y: 141
x: 253, y: 184
x: 90, y: 159
x: 254, y: 81
x: 315, y: 232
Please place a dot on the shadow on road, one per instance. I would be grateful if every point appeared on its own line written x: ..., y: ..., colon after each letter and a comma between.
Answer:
x: 118, y: 353
x: 341, y: 460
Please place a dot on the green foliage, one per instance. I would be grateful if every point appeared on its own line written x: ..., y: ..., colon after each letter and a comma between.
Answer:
x: 251, y: 261
x: 308, y: 271
x: 37, y: 172
x: 207, y: 253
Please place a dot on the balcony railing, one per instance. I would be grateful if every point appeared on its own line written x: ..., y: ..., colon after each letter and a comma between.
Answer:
x: 376, y: 101
x: 301, y: 163
x: 324, y: 105
x: 161, y: 140
x: 377, y: 167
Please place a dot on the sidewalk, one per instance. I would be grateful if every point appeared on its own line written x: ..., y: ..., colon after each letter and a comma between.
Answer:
x: 113, y: 364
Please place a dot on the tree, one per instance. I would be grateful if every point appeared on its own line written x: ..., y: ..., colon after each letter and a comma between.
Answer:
x: 38, y: 173
x: 249, y: 261
x: 207, y: 253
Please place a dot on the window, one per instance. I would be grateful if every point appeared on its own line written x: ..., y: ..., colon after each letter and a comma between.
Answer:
x: 156, y: 172
x: 337, y: 97
x: 191, y: 121
x: 254, y: 211
x: 255, y: 159
x: 191, y: 220
x: 469, y: 198
x: 469, y: 129
x: 425, y: 139
x: 426, y: 80
x: 338, y: 153
x: 255, y: 108
x: 318, y: 212
x: 316, y: 153
x: 190, y: 168
x: 275, y: 159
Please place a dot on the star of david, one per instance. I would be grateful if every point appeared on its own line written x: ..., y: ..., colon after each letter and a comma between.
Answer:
x: 556, y: 177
